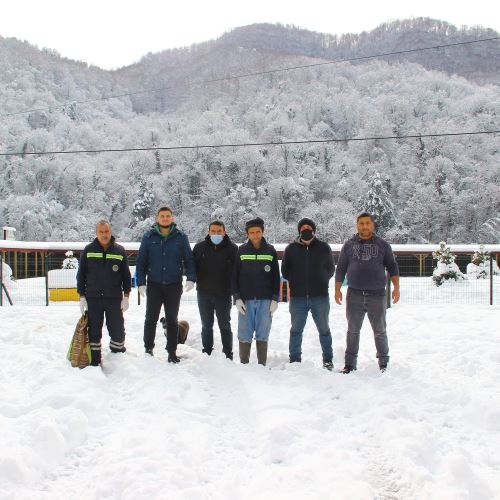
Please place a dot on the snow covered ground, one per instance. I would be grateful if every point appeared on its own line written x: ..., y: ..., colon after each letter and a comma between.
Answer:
x: 428, y: 428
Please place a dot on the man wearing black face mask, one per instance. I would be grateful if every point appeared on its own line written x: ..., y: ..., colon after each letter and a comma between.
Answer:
x: 308, y: 266
x: 214, y: 258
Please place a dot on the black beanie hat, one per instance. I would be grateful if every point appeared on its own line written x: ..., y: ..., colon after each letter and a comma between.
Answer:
x: 304, y: 221
x: 257, y: 222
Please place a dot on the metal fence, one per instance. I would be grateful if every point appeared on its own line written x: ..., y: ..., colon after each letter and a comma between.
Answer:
x: 26, y: 276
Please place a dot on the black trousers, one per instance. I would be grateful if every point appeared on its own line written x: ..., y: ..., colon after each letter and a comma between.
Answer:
x: 168, y: 296
x: 100, y: 307
x: 207, y: 305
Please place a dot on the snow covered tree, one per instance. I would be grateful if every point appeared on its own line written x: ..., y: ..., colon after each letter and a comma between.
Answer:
x: 70, y: 262
x: 446, y: 269
x: 479, y: 267
x: 377, y: 202
x: 141, y: 208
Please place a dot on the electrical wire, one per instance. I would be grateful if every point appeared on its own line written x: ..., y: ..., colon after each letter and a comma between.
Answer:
x: 251, y: 144
x: 247, y: 75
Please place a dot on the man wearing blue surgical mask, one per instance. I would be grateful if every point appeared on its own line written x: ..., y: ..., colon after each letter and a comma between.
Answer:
x: 214, y: 258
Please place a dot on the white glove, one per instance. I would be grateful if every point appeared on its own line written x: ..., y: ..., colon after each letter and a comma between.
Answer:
x: 83, y: 305
x: 240, y: 305
x: 188, y: 286
x: 124, y: 303
x: 142, y: 291
x: 273, y: 307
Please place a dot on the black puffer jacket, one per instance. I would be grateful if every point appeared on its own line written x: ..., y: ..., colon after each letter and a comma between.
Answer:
x: 214, y: 265
x: 308, y: 269
x: 103, y: 273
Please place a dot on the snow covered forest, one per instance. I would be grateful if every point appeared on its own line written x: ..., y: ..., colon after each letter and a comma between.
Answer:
x: 425, y: 190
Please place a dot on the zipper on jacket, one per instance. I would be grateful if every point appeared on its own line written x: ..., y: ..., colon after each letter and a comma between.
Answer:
x: 307, y: 271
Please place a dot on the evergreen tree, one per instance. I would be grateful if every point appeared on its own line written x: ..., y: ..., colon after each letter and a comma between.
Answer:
x: 70, y: 262
x: 479, y: 267
x: 377, y: 202
x: 141, y: 208
x: 446, y: 269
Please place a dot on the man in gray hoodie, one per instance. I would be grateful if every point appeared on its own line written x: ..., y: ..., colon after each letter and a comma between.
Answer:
x: 364, y: 259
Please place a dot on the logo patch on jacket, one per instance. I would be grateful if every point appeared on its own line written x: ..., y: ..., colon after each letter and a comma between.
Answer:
x: 115, y: 268
x: 267, y: 268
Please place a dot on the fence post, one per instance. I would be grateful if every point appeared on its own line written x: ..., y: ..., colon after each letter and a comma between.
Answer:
x: 491, y: 280
x: 1, y: 278
x: 46, y: 272
x: 388, y: 297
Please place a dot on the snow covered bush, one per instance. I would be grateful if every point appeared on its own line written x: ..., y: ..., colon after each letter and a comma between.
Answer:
x: 479, y: 267
x: 70, y: 262
x: 446, y: 269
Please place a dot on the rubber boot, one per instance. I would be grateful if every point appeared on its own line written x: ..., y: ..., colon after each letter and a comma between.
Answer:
x: 261, y: 352
x: 245, y: 348
x: 173, y: 358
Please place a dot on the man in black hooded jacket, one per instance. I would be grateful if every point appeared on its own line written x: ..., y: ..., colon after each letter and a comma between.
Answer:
x: 308, y: 266
x: 214, y: 258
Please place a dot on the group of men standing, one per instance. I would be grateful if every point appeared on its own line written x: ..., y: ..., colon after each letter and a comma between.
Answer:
x: 248, y: 274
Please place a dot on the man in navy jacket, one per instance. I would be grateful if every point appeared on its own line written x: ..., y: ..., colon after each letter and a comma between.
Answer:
x: 364, y: 259
x: 163, y: 255
x: 308, y: 266
x: 256, y: 285
x: 103, y: 283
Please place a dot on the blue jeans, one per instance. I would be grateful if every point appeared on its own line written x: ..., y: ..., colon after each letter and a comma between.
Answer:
x: 207, y: 305
x: 257, y: 319
x: 320, y: 309
x: 358, y: 304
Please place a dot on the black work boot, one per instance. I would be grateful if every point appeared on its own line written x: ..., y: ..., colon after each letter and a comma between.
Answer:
x: 245, y: 348
x: 173, y: 358
x: 328, y: 365
x: 261, y: 352
x: 149, y: 351
x: 348, y: 369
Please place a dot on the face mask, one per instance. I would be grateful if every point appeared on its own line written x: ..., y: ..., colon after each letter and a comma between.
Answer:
x: 306, y: 235
x: 216, y: 238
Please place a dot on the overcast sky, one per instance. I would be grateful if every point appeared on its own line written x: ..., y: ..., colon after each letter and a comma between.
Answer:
x: 114, y: 33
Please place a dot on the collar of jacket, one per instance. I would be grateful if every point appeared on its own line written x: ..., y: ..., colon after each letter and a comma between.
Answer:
x: 358, y: 238
x: 263, y: 245
x: 300, y: 242
x: 111, y: 243
x: 223, y: 243
x: 156, y: 229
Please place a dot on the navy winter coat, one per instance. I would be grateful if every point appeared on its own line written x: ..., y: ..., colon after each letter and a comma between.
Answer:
x: 163, y: 259
x: 103, y: 273
x: 256, y: 273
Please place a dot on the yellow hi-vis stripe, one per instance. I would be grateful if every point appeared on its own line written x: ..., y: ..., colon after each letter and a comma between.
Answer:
x: 256, y: 257
x: 94, y: 255
x: 264, y: 257
x: 114, y: 256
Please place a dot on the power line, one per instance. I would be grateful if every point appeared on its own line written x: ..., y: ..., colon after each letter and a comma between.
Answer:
x: 251, y: 144
x: 247, y: 75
